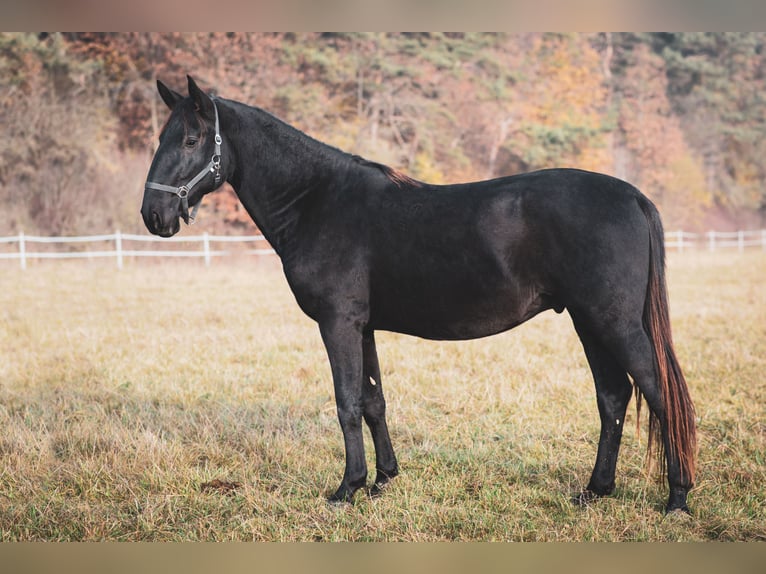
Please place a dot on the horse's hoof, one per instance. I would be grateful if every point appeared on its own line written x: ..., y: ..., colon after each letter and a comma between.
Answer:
x: 378, y: 488
x: 678, y: 511
x: 585, y: 498
x: 677, y: 501
x: 339, y: 502
x: 342, y: 497
x: 381, y: 483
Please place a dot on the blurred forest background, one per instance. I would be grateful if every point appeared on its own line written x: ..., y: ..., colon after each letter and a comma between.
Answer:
x: 680, y: 115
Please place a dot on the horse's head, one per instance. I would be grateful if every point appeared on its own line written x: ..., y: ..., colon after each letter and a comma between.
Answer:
x: 187, y: 164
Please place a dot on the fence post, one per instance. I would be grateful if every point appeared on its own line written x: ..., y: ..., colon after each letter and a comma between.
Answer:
x: 22, y: 251
x: 118, y: 247
x: 711, y: 240
x: 740, y: 241
x: 206, y: 243
x: 680, y: 235
x: 763, y: 239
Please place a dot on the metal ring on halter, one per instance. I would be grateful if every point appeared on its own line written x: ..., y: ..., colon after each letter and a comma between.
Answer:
x: 183, y: 192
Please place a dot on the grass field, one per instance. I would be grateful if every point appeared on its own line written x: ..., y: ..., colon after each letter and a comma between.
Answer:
x: 123, y: 392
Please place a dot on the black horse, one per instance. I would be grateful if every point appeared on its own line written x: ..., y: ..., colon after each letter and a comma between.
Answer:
x: 366, y: 248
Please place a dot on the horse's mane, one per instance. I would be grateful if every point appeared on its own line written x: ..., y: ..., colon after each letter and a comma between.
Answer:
x: 396, y: 176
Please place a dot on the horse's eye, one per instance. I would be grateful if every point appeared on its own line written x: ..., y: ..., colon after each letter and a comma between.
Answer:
x: 191, y: 142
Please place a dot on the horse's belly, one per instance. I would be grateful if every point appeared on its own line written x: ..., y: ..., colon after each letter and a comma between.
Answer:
x: 443, y: 314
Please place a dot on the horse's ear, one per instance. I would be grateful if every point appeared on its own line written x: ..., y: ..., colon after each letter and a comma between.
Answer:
x: 202, y: 102
x: 168, y: 96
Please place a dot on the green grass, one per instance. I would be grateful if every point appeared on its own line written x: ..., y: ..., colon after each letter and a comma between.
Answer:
x: 121, y: 393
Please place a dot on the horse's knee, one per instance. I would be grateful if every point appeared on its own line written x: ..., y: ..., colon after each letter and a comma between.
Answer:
x: 349, y: 417
x: 373, y: 403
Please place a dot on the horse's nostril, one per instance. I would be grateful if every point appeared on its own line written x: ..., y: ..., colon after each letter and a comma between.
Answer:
x: 156, y: 221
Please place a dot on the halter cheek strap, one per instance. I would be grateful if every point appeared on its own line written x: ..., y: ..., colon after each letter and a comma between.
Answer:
x: 214, y: 166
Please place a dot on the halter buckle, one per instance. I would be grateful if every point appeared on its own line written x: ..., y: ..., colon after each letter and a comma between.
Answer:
x: 183, y: 192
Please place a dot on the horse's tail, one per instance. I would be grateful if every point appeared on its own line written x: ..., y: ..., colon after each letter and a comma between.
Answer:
x: 679, y: 409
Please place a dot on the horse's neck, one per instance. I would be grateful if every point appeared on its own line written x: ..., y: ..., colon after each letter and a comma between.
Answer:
x: 278, y: 168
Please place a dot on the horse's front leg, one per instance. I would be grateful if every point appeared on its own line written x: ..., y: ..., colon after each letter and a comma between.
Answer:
x: 375, y: 416
x: 343, y: 341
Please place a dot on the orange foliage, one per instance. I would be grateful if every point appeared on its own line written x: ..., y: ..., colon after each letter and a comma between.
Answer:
x: 570, y: 91
x: 660, y: 161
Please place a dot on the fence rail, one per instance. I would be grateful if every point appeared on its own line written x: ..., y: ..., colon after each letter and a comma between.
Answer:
x: 674, y: 240
x: 715, y: 240
x: 119, y: 252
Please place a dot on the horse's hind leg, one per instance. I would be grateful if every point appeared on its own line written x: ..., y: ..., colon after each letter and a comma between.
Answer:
x: 640, y: 362
x: 613, y: 391
x: 631, y: 347
x: 374, y: 410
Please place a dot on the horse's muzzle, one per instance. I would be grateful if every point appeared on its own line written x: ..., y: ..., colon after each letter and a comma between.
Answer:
x: 157, y: 224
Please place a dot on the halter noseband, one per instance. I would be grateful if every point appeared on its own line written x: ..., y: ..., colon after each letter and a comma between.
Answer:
x: 183, y: 191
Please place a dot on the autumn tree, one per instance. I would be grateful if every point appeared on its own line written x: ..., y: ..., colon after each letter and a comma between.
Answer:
x: 564, y: 105
x: 654, y: 153
x: 716, y: 83
x: 55, y: 163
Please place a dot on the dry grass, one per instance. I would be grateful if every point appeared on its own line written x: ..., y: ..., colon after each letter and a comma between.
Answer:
x: 123, y: 393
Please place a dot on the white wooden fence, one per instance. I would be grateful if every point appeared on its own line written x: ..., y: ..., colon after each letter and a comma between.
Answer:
x: 121, y: 241
x: 715, y: 240
x: 674, y: 240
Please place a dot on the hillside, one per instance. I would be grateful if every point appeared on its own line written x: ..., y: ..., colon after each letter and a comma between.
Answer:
x: 680, y: 115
